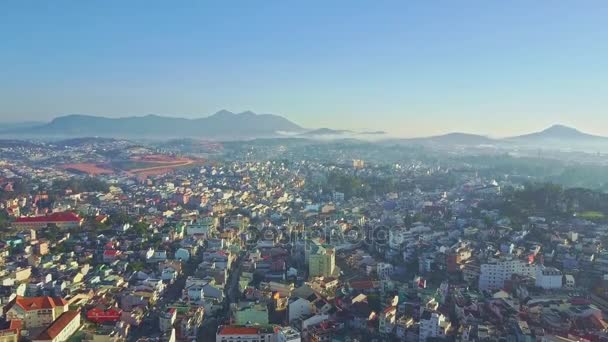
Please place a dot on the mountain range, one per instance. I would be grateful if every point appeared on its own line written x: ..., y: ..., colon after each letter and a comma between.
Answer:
x: 248, y: 125
x: 223, y: 124
x: 557, y: 135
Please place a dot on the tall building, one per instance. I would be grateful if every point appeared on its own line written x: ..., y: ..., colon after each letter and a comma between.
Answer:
x: 322, y: 261
x: 549, y: 278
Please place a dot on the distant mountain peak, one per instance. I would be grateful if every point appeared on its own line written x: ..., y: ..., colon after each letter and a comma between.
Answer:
x: 558, y: 132
x: 557, y: 128
x: 222, y: 113
x: 228, y: 114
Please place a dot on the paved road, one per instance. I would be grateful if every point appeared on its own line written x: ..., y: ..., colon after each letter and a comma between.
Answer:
x: 232, y: 292
x: 210, y: 324
x: 173, y: 292
x: 149, y: 328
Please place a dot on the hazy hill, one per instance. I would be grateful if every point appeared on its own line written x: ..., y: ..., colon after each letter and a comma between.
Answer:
x: 325, y: 131
x: 559, y: 133
x: 338, y: 133
x: 452, y: 139
x: 223, y: 124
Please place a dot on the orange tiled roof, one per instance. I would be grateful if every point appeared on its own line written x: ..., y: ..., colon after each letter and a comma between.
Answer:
x: 57, y: 327
x: 14, y: 328
x: 37, y: 303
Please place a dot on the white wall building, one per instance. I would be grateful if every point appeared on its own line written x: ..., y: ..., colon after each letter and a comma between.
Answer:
x: 432, y: 324
x: 548, y: 278
x: 300, y: 308
x: 494, y: 274
x: 288, y: 334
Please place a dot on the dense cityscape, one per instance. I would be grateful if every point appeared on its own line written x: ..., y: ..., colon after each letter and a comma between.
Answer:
x: 293, y: 240
x: 303, y: 171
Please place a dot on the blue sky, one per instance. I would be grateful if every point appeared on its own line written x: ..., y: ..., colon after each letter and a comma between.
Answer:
x: 412, y: 68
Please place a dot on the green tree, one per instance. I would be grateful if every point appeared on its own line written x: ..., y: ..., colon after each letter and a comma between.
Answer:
x: 141, y: 228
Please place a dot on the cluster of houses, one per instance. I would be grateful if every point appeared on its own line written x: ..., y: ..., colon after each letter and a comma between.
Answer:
x: 252, y: 252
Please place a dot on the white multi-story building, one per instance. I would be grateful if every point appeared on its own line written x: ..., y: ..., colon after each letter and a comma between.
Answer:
x: 549, y: 278
x: 433, y: 324
x: 493, y: 274
x: 61, y: 329
x: 300, y: 308
x: 288, y: 334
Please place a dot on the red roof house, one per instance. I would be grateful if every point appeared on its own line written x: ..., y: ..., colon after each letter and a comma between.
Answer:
x: 101, y: 316
x: 65, y: 325
x: 60, y: 219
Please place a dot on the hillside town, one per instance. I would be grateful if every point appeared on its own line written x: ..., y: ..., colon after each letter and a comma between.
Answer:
x: 247, y: 248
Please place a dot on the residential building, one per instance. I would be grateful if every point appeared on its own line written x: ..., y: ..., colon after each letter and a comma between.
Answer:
x: 433, y: 324
x: 167, y: 319
x: 12, y: 333
x: 62, y: 220
x: 494, y: 274
x: 234, y: 333
x: 322, y: 263
x: 61, y: 329
x: 36, y: 312
x: 299, y: 309
x: 387, y: 320
x: 287, y: 334
x: 549, y: 278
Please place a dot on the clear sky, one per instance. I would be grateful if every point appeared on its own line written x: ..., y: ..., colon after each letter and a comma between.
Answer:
x: 412, y: 68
